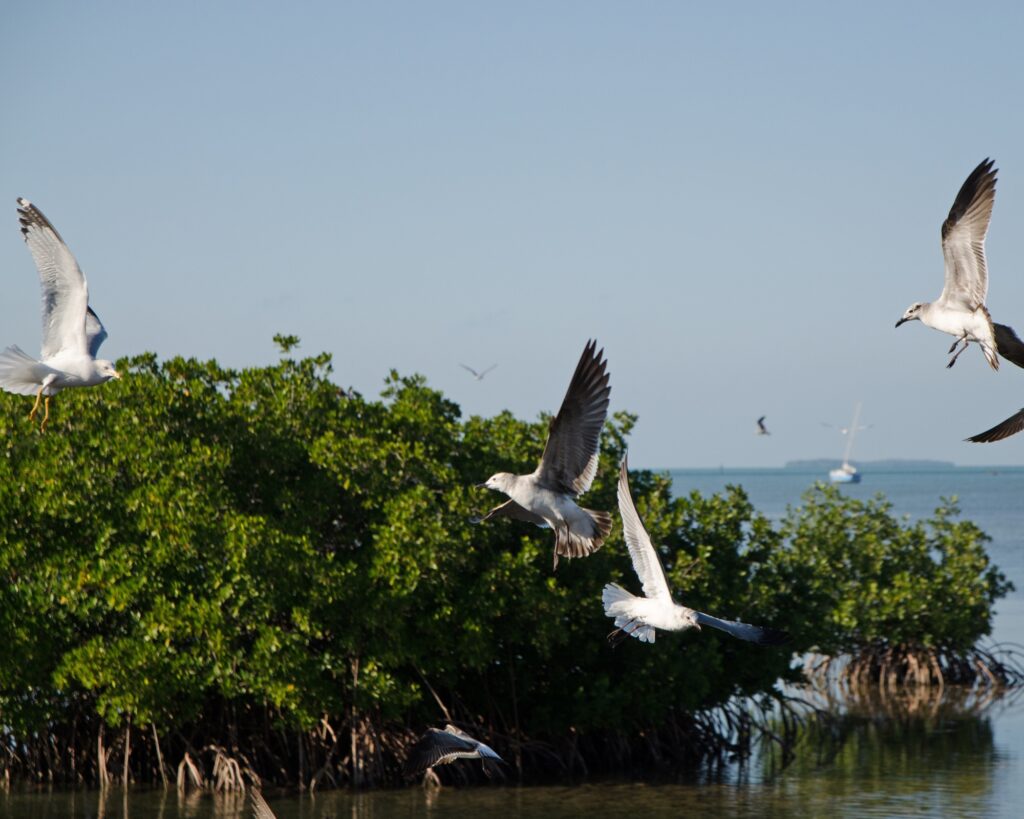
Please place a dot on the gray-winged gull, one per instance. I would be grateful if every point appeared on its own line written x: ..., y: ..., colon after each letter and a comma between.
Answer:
x: 72, y: 332
x: 960, y: 309
x: 479, y: 376
x: 437, y: 747
x: 761, y: 428
x: 640, y: 616
x: 547, y: 496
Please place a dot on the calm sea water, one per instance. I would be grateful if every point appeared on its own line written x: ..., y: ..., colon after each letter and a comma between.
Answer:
x: 914, y: 757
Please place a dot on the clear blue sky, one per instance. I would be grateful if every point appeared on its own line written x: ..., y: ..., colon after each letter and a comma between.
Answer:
x: 738, y: 200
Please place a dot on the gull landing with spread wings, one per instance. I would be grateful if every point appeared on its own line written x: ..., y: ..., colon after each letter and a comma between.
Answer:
x: 72, y: 332
x: 960, y: 309
x: 640, y: 616
x: 547, y: 496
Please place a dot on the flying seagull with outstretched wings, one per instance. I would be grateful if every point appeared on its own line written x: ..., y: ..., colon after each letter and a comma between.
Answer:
x: 640, y: 616
x: 439, y: 747
x: 547, y: 496
x: 960, y: 309
x: 72, y: 332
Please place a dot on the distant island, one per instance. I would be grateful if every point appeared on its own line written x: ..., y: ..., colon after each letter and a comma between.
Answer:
x: 887, y: 464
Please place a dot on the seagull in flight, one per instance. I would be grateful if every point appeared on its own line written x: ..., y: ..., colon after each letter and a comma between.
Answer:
x: 72, y: 332
x: 479, y: 376
x: 960, y: 309
x: 437, y: 747
x: 761, y: 428
x: 547, y: 496
x: 640, y: 616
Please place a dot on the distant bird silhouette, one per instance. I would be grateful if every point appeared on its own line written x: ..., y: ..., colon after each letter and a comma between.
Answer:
x: 72, y: 332
x: 547, y: 496
x: 960, y: 309
x: 640, y: 616
x: 439, y: 747
x: 479, y: 376
x: 761, y: 428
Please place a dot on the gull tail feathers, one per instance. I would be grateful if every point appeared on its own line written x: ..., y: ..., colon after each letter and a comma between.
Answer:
x: 570, y: 542
x: 20, y: 373
x: 990, y: 356
x: 621, y: 605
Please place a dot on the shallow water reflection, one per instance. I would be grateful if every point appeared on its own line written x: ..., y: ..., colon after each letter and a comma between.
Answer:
x: 917, y: 755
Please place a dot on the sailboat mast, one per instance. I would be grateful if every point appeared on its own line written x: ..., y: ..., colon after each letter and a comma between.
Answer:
x: 853, y: 431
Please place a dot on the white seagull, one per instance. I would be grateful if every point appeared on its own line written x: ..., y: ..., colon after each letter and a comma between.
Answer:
x: 72, y: 332
x: 640, y: 616
x: 437, y: 747
x: 479, y: 376
x: 761, y: 428
x: 547, y: 496
x: 960, y: 309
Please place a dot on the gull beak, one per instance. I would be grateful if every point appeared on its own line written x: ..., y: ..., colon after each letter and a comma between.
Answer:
x: 481, y: 486
x: 116, y: 375
x: 901, y: 321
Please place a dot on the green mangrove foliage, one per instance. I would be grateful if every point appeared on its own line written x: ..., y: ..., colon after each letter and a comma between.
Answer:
x: 894, y: 602
x: 258, y: 572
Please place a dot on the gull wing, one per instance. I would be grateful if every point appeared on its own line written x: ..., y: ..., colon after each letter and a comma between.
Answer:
x: 745, y: 631
x: 470, y: 369
x: 483, y: 751
x: 1011, y: 426
x: 1008, y: 344
x: 65, y: 292
x: 646, y: 562
x: 569, y: 462
x: 963, y: 239
x: 437, y: 747
x: 511, y: 509
x: 260, y: 808
x: 95, y: 332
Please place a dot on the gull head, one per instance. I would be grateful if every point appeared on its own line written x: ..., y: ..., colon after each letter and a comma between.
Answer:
x: 499, y: 482
x: 105, y: 370
x: 685, y: 618
x: 913, y: 312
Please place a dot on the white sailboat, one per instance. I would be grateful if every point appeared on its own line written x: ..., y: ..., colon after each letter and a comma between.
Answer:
x: 847, y: 473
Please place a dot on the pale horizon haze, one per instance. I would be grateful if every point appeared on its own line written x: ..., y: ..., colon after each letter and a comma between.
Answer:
x: 738, y: 200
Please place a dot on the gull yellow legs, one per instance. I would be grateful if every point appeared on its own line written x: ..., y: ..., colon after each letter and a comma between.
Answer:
x: 46, y: 408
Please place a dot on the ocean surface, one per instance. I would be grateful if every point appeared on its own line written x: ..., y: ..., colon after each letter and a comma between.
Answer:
x: 915, y: 756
